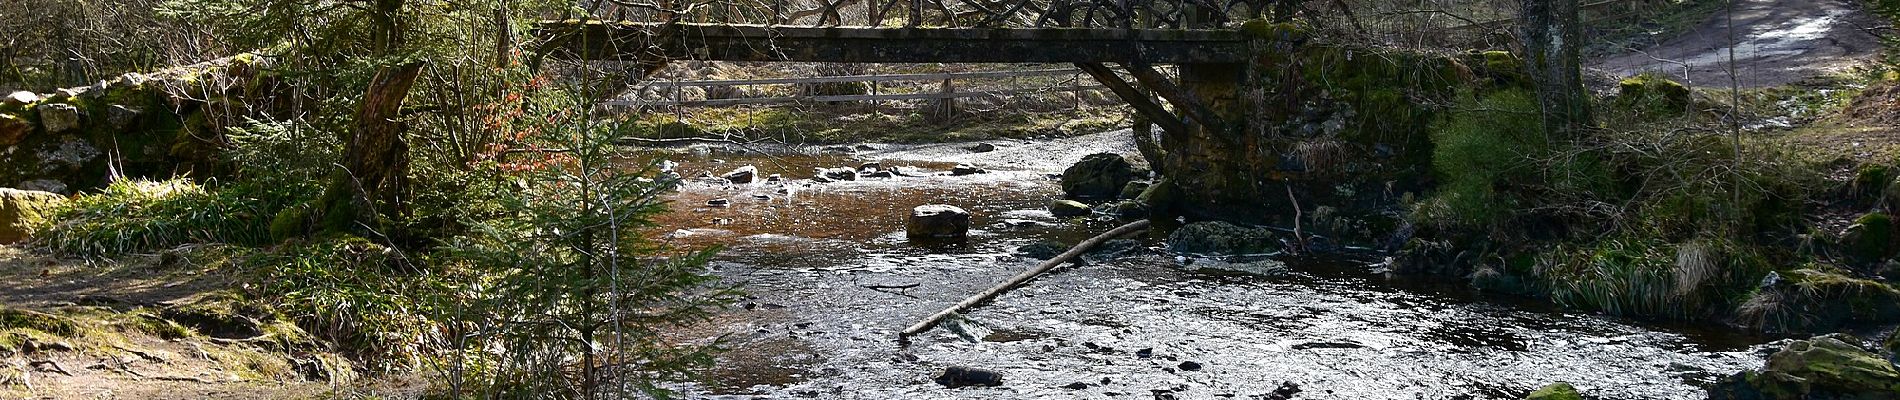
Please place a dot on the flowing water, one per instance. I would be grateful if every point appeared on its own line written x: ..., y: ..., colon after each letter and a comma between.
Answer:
x: 831, y: 280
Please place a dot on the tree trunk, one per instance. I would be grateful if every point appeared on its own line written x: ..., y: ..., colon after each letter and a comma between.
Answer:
x: 1551, y: 32
x: 374, y: 182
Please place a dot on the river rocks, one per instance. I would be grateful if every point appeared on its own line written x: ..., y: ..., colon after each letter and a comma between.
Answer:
x: 1556, y: 391
x: 1812, y: 300
x: 834, y: 174
x: 966, y: 169
x: 20, y: 210
x: 57, y: 118
x: 956, y: 377
x: 1261, y: 268
x: 1220, y: 238
x: 1097, y: 176
x: 1827, y: 367
x: 719, y: 203
x: 1042, y: 250
x: 937, y: 221
x: 1190, y: 366
x: 1134, y: 189
x: 1126, y: 209
x: 1068, y: 208
x: 982, y: 148
x: 742, y: 175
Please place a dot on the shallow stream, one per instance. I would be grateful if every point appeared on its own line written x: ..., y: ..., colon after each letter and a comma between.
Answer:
x: 831, y: 276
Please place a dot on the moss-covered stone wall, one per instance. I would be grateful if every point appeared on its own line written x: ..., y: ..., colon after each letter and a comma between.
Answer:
x: 156, y: 125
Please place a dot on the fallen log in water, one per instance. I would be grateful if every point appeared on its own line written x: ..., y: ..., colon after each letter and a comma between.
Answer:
x: 986, y: 295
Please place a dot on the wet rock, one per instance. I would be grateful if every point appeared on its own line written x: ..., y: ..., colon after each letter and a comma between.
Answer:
x: 1042, y: 250
x: 1076, y: 386
x: 1115, y: 249
x: 982, y: 148
x: 835, y: 174
x: 1814, y: 300
x: 1134, y: 189
x: 1126, y: 209
x: 870, y: 166
x: 1265, y: 268
x: 957, y: 377
x: 742, y: 175
x: 1555, y: 391
x: 1286, y: 391
x: 718, y: 203
x: 864, y: 147
x: 58, y: 118
x: 21, y: 210
x: 1068, y: 208
x: 879, y: 174
x: 774, y: 178
x: 1827, y: 367
x: 966, y: 169
x: 1189, y: 366
x: 1097, y: 176
x: 1145, y: 353
x: 1220, y: 238
x: 937, y: 221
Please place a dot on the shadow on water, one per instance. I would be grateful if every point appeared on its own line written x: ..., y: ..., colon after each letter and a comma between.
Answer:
x: 832, y: 278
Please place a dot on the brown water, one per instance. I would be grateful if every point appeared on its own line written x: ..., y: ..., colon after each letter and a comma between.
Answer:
x: 815, y: 326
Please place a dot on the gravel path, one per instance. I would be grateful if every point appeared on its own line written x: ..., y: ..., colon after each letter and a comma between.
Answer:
x: 1779, y: 42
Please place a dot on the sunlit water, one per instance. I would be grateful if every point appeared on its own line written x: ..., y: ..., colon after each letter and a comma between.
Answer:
x: 810, y: 256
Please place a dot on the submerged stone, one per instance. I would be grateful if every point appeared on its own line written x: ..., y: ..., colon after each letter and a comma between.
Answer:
x: 956, y: 377
x: 742, y: 175
x: 1220, y: 238
x: 1556, y: 391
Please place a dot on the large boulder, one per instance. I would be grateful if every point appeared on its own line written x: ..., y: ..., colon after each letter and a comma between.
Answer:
x: 937, y: 221
x: 13, y: 128
x: 1815, y: 300
x: 1097, y: 176
x: 1221, y: 238
x: 1827, y: 367
x: 1556, y: 391
x: 20, y: 211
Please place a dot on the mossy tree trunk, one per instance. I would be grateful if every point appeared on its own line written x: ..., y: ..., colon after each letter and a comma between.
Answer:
x: 373, y: 185
x: 1551, y: 35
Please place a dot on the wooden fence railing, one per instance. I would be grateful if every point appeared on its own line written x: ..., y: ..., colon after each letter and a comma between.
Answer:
x: 947, y: 89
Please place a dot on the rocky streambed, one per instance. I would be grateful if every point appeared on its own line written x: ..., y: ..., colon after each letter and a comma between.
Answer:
x: 832, y: 279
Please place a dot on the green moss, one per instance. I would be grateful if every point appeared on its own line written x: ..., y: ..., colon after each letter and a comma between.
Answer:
x: 1651, y: 93
x: 1556, y: 391
x: 1871, y: 238
x: 11, y: 318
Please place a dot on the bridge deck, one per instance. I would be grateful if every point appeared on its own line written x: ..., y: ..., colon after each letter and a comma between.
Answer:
x: 631, y: 41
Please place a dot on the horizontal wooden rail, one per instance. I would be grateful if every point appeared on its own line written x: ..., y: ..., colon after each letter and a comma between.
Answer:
x: 842, y: 98
x: 874, y: 78
x: 672, y: 88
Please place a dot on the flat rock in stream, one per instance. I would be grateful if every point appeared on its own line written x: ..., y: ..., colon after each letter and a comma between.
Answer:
x: 956, y: 377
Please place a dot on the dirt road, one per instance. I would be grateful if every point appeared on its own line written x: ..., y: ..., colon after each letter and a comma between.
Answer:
x: 1777, y: 42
